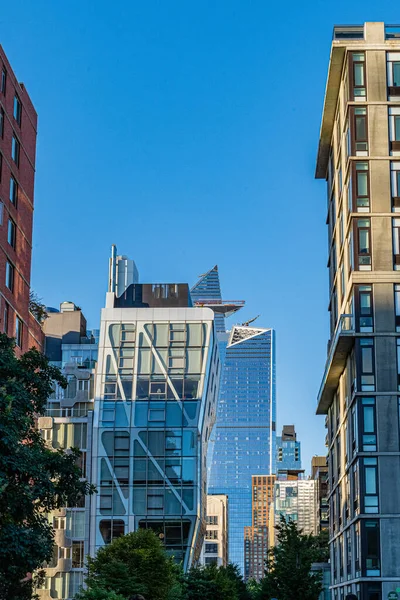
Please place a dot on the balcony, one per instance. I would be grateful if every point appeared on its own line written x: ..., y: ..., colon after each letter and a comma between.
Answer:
x: 348, y: 32
x: 339, y: 349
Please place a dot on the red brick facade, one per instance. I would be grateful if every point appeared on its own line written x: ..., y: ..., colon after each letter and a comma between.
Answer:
x: 16, y: 216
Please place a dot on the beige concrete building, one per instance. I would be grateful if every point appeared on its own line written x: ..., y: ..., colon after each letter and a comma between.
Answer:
x: 215, y: 546
x: 68, y: 423
x: 359, y: 157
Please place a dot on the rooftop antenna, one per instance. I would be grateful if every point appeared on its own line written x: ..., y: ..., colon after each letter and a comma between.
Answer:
x: 246, y: 323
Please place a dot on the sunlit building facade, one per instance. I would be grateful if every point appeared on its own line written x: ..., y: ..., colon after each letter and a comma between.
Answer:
x: 358, y: 156
x: 68, y: 423
x: 156, y: 393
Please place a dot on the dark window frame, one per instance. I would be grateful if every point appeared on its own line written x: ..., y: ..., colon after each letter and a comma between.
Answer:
x: 13, y: 197
x: 17, y: 109
x: 15, y: 141
x: 357, y: 253
x: 11, y: 269
x: 19, y: 331
x: 355, y: 120
x: 12, y: 233
x: 352, y: 86
x: 359, y: 293
x: 3, y: 81
x: 370, y: 402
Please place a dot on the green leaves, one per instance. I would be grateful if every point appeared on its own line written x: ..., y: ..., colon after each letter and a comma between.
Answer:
x: 135, y: 563
x: 288, y: 574
x: 34, y: 479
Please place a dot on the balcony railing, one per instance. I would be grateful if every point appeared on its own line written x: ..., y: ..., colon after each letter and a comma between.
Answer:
x: 338, y: 351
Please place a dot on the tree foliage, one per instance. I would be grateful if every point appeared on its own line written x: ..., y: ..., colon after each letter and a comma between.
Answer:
x: 288, y: 574
x: 213, y: 583
x: 135, y: 563
x: 37, y: 308
x: 34, y: 479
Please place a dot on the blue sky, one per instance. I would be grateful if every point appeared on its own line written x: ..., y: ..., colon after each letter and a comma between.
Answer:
x: 186, y: 133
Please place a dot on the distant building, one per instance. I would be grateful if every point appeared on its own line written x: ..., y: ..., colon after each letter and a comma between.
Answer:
x: 296, y: 500
x: 319, y: 472
x: 243, y: 439
x: 18, y: 128
x: 216, y: 544
x: 288, y: 453
x: 68, y: 422
x: 256, y: 535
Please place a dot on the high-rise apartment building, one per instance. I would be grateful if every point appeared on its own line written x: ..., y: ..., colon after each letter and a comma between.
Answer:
x: 68, y: 423
x: 319, y: 472
x: 359, y: 157
x: 256, y: 535
x: 288, y: 453
x: 156, y: 392
x: 18, y: 125
x: 216, y: 540
x: 296, y: 500
x: 243, y: 439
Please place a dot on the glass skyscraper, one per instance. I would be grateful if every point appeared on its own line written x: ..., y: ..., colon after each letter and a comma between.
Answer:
x: 243, y: 441
x: 288, y: 450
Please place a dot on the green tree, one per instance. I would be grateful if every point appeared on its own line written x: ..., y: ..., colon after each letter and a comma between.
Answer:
x: 135, y: 563
x: 215, y: 583
x: 253, y: 589
x: 37, y: 308
x: 321, y: 543
x: 288, y: 574
x: 34, y: 479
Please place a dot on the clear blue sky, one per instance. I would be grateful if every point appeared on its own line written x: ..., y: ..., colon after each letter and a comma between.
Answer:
x: 186, y: 133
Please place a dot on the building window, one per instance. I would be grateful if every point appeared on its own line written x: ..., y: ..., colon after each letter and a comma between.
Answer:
x: 18, y: 332
x: 362, y: 236
x: 356, y: 489
x: 396, y: 244
x: 15, y: 150
x: 397, y: 306
x: 211, y: 549
x: 359, y: 187
x: 6, y: 316
x: 10, y: 276
x: 11, y: 233
x: 364, y: 308
x: 370, y: 485
x: 1, y: 123
x: 212, y: 520
x: 372, y: 548
x: 368, y: 424
x: 366, y: 364
x: 13, y: 191
x: 77, y: 555
x: 17, y: 109
x: 359, y: 138
x: 394, y: 129
x: 1, y: 213
x: 395, y: 185
x: 357, y: 76
x: 3, y: 81
x: 393, y: 73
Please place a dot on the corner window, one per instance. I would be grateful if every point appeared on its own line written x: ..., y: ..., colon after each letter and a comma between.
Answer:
x: 10, y: 276
x: 15, y: 150
x: 372, y: 548
x: 397, y: 306
x: 393, y: 73
x: 359, y: 186
x: 364, y: 308
x: 368, y: 424
x: 395, y: 185
x: 370, y: 466
x: 367, y: 364
x: 394, y: 129
x: 396, y: 244
x: 3, y: 81
x: 18, y: 332
x: 359, y: 131
x: 17, y: 109
x: 11, y: 233
x: 357, y: 76
x: 363, y: 244
x: 13, y: 191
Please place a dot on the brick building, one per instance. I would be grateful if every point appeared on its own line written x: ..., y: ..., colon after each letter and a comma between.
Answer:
x: 18, y: 125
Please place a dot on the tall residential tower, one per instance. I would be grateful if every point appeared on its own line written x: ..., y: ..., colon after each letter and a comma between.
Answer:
x: 359, y: 157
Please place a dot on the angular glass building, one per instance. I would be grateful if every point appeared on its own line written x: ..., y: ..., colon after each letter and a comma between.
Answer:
x: 244, y: 434
x: 243, y: 441
x: 156, y: 392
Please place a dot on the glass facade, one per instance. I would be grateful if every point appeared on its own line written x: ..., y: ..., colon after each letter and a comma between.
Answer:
x: 288, y: 450
x: 208, y: 288
x: 243, y: 439
x: 157, y: 386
